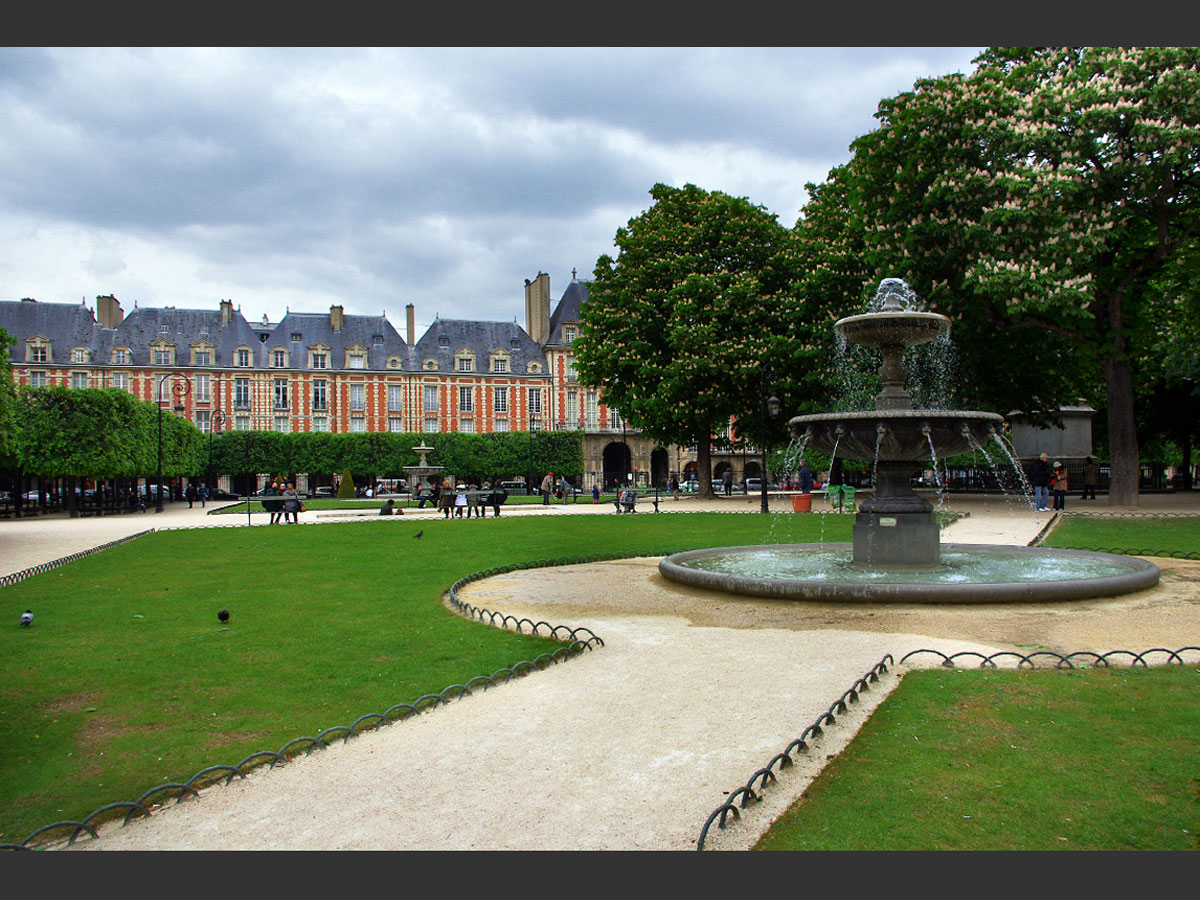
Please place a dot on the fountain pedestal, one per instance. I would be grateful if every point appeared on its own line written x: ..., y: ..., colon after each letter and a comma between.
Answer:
x: 895, y: 528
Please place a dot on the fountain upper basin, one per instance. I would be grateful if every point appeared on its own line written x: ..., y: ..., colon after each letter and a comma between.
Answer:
x: 906, y: 433
x: 893, y: 329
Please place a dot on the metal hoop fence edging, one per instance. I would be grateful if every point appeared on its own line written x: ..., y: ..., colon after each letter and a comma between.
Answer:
x: 746, y: 794
x: 143, y: 806
x: 14, y: 577
x: 1065, y: 661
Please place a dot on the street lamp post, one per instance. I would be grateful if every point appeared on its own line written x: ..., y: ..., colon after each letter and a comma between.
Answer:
x: 216, y: 421
x: 181, y: 386
x: 770, y: 407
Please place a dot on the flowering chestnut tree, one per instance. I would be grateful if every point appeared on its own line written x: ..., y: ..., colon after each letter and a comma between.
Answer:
x: 679, y: 326
x: 1039, y: 201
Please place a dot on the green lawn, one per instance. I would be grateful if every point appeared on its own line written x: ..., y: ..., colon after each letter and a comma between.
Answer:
x: 127, y: 680
x: 1098, y: 759
x: 1165, y: 534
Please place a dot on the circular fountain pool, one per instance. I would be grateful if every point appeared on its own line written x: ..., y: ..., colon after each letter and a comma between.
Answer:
x: 967, y: 573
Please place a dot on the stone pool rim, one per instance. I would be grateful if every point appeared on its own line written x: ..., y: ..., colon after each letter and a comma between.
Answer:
x: 1142, y: 575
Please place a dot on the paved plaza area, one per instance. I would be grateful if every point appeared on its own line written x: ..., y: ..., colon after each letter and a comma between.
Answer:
x: 635, y: 744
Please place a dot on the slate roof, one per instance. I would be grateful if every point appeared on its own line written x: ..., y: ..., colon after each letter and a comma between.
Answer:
x: 66, y: 325
x: 481, y: 337
x: 375, y: 333
x: 568, y: 309
x: 184, y: 327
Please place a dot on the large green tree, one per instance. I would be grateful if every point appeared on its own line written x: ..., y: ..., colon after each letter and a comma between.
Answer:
x: 679, y: 326
x: 1038, y: 201
x: 8, y: 404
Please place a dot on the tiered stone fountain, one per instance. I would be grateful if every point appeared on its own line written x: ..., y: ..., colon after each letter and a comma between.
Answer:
x: 896, y: 554
x: 421, y: 475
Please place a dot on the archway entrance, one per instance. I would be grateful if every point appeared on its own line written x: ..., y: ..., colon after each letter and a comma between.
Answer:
x: 658, y: 468
x: 617, y: 464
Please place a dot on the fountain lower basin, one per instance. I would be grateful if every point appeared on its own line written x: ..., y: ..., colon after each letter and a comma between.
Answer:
x: 967, y: 573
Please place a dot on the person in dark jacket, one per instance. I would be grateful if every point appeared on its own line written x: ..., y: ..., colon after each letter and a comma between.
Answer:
x: 1090, y: 479
x: 1039, y: 480
x: 496, y: 499
x: 805, y: 477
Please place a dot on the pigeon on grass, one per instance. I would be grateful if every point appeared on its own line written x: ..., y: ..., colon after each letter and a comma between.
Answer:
x: 26, y: 619
x: 223, y: 616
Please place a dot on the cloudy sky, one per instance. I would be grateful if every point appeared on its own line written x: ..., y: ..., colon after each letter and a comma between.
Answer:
x: 299, y: 178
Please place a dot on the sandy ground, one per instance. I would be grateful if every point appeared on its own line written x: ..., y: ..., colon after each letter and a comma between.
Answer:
x: 635, y: 744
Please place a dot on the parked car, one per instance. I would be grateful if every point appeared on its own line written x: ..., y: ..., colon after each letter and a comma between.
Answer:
x: 218, y: 494
x: 325, y: 490
x: 515, y: 487
x: 754, y: 486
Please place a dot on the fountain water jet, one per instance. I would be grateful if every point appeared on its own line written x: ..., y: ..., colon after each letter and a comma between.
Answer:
x: 896, y: 553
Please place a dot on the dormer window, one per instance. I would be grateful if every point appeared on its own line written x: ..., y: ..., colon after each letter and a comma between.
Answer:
x: 295, y: 337
x: 320, y: 360
x: 443, y: 341
x: 356, y: 361
x: 79, y: 355
x: 120, y: 356
x: 243, y: 357
x: 279, y: 359
x: 465, y: 364
x: 377, y: 340
x: 569, y: 334
x: 37, y: 350
x: 164, y: 329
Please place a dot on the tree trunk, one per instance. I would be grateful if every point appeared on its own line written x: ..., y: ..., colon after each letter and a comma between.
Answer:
x: 1122, y: 433
x: 704, y: 460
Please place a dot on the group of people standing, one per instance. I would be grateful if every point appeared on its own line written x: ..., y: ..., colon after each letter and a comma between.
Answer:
x: 1052, y: 481
x: 292, y: 507
x: 194, y: 493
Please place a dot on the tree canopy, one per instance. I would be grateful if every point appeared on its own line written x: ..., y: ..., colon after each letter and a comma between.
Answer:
x: 1037, y: 201
x: 678, y: 328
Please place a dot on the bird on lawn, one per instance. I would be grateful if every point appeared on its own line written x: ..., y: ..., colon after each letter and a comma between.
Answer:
x: 223, y: 615
x: 26, y: 619
x: 419, y: 533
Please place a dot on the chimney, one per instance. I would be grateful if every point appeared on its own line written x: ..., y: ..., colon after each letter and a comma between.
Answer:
x: 226, y: 312
x: 336, y: 318
x: 537, y: 307
x: 108, y: 311
x: 411, y: 313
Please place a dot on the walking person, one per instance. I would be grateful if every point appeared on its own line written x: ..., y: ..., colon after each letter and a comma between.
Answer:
x: 203, y: 492
x: 1058, y: 485
x: 595, y: 493
x: 805, y: 478
x: 190, y: 494
x: 1039, y: 480
x: 727, y: 481
x: 675, y: 486
x: 1090, y: 479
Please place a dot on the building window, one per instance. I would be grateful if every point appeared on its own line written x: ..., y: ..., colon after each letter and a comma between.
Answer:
x: 535, y: 401
x: 201, y: 357
x: 320, y: 360
x: 203, y: 384
x: 357, y: 361
x: 466, y: 399
x: 279, y: 359
x: 162, y: 357
x: 358, y: 424
x: 502, y: 424
x: 241, y: 423
x: 120, y: 380
x: 38, y: 353
x: 614, y: 418
x: 500, y: 364
x: 466, y: 426
x: 499, y: 400
x: 395, y: 392
x: 535, y: 424
x: 570, y: 371
x: 79, y: 355
x: 79, y: 379
x: 320, y: 423
x: 163, y: 329
x: 281, y: 394
x: 590, y: 410
x: 569, y: 334
x: 431, y: 425
x: 319, y: 399
x: 431, y: 398
x: 395, y: 424
x: 466, y: 364
x: 377, y: 340
x: 572, y: 408
x: 241, y: 393
x: 243, y: 357
x: 296, y: 337
x: 358, y: 402
x: 281, y: 423
x: 37, y: 379
x: 120, y: 357
x: 203, y: 422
